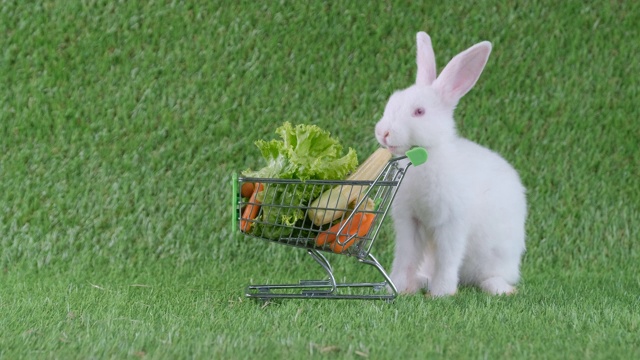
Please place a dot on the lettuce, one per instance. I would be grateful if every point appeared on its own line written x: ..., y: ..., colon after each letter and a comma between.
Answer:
x: 303, y: 152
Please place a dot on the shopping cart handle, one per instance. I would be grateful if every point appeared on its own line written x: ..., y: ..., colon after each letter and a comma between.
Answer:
x: 417, y: 155
x: 234, y: 203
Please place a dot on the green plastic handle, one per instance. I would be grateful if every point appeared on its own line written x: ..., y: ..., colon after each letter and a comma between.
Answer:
x: 417, y: 155
x: 234, y: 203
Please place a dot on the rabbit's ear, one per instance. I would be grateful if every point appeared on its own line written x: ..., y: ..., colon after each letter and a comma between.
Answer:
x: 426, y: 60
x: 462, y: 72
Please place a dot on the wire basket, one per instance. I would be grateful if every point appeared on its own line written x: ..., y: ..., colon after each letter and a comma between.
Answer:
x: 274, y: 214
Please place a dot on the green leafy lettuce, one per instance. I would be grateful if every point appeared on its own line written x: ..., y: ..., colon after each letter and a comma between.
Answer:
x: 303, y: 152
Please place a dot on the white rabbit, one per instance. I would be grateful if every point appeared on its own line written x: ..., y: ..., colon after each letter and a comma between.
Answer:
x: 459, y: 217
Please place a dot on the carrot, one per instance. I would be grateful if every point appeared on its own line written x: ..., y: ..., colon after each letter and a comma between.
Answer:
x: 359, y: 226
x: 247, y: 189
x: 355, y: 228
x: 328, y: 236
x: 251, y: 210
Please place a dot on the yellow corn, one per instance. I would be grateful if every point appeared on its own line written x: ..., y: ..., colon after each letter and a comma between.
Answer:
x: 321, y: 211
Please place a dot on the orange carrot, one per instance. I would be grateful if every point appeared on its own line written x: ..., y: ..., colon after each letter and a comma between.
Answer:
x: 251, y: 210
x: 328, y: 236
x: 359, y: 226
x: 355, y: 228
x: 246, y: 190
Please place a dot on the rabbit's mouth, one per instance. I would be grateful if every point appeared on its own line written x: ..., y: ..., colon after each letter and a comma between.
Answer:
x: 396, y: 150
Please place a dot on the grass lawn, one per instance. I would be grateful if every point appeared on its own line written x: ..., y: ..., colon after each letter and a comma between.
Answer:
x: 121, y: 124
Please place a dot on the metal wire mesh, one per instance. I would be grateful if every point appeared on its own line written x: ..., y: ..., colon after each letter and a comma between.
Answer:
x: 281, y: 216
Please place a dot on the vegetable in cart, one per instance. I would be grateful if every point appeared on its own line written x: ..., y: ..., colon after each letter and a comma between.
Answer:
x: 348, y: 231
x: 341, y: 197
x: 303, y: 152
x: 251, y: 210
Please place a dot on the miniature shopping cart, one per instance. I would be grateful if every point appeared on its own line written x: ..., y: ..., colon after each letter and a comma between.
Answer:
x: 352, y: 231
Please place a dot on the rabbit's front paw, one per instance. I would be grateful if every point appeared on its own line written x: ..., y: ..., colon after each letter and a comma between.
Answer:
x: 497, y: 286
x: 440, y: 288
x: 404, y: 282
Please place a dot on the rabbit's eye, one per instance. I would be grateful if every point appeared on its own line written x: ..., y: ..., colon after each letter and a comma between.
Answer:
x: 418, y: 112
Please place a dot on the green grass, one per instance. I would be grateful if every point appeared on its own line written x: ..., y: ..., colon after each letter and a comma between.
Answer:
x: 121, y: 124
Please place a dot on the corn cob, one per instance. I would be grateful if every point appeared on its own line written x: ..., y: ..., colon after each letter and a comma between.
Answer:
x: 321, y: 211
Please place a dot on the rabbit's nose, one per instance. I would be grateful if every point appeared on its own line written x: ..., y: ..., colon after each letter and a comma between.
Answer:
x: 385, y: 136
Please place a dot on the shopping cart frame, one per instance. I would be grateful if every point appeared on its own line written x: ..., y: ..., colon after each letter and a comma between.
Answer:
x: 383, y: 189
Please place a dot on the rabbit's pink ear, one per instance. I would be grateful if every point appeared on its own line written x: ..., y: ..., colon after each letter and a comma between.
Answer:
x: 462, y: 72
x: 426, y: 60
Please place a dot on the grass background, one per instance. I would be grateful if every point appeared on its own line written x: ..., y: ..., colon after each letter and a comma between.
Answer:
x: 122, y: 122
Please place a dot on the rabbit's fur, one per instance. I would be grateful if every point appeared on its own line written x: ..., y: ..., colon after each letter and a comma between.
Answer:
x: 460, y: 217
